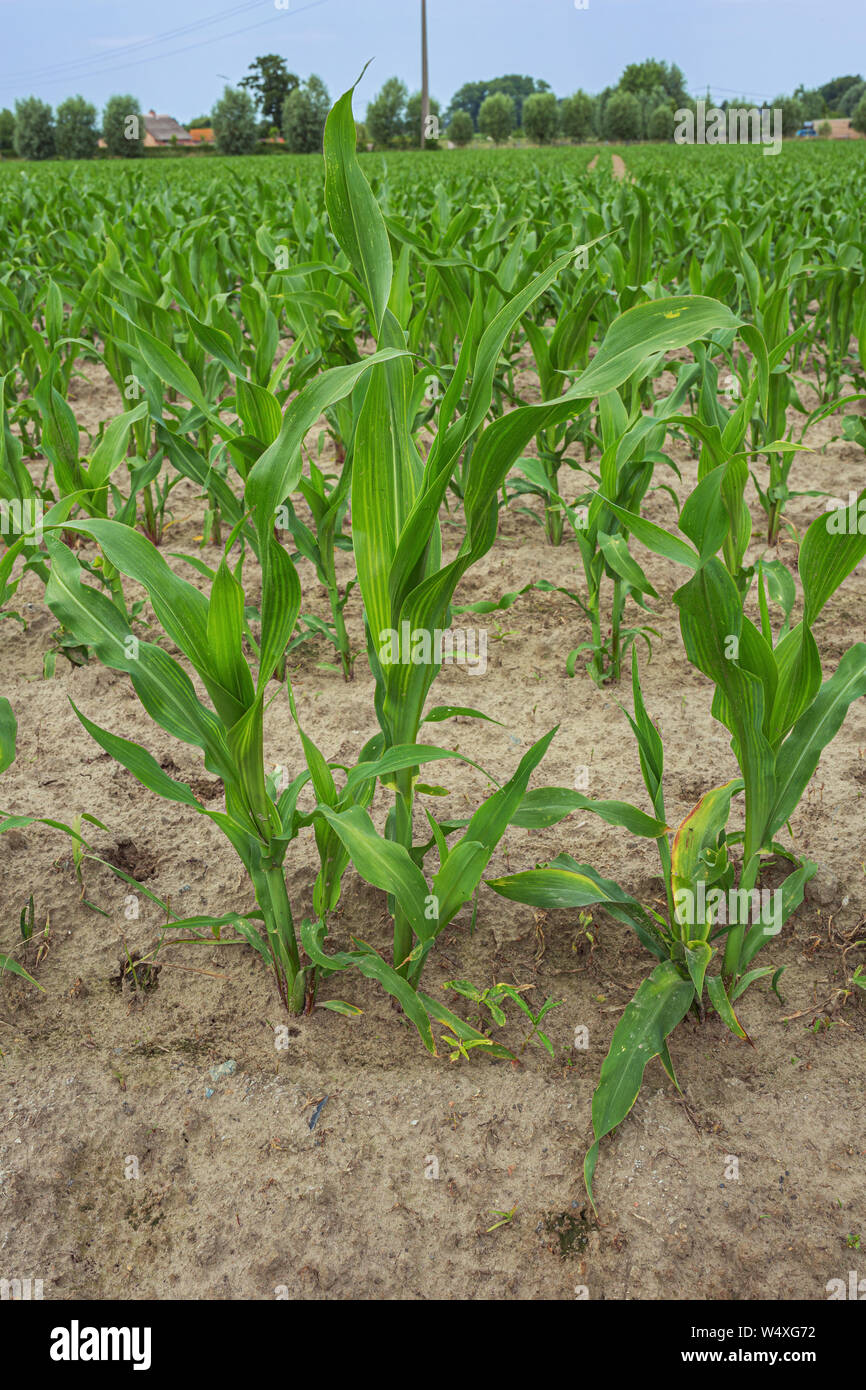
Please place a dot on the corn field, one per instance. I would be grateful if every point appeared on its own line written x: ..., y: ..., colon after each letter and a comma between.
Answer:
x: 433, y: 646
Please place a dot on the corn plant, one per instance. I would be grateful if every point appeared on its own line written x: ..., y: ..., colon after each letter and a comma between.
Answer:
x: 395, y: 501
x: 257, y: 822
x: 770, y: 696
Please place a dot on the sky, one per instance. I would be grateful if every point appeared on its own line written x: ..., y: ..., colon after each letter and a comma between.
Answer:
x: 177, y: 59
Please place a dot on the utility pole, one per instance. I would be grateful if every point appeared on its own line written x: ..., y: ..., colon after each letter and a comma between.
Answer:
x: 425, y: 81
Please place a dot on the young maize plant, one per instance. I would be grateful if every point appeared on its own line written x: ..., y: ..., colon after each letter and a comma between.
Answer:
x: 770, y: 697
x: 396, y: 496
x: 258, y: 822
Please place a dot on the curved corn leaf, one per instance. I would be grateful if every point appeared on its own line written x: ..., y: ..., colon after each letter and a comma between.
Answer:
x: 661, y: 1002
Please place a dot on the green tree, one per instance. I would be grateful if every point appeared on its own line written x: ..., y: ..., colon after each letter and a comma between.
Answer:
x: 858, y: 116
x: 851, y: 98
x: 76, y: 135
x: 461, y: 129
x: 7, y: 131
x: 541, y: 118
x: 386, y: 113
x: 234, y: 122
x: 661, y: 124
x: 200, y: 123
x: 468, y: 98
x: 622, y: 117
x: 652, y: 75
x: 471, y: 96
x: 413, y: 120
x: 34, y: 129
x: 519, y: 89
x: 812, y: 102
x: 576, y: 116
x: 832, y: 91
x: 270, y: 82
x: 305, y: 111
x: 497, y: 116
x: 123, y: 127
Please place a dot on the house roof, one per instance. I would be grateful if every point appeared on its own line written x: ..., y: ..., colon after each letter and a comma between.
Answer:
x: 201, y: 133
x: 162, y: 128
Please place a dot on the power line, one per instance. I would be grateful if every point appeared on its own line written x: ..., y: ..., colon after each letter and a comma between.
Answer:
x: 203, y: 43
x: 133, y: 46
x: 738, y: 91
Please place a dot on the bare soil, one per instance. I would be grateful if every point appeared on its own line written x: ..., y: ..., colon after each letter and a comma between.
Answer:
x: 393, y: 1191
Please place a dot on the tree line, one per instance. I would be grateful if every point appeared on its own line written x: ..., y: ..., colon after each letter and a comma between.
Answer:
x: 271, y: 101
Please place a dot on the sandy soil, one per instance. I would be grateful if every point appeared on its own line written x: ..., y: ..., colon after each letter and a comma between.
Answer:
x: 236, y: 1195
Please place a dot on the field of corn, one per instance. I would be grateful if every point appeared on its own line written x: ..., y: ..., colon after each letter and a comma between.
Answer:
x: 433, y: 736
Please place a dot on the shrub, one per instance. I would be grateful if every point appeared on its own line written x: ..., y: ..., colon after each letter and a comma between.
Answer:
x: 541, y: 118
x: 34, y: 129
x: 123, y: 127
x: 234, y: 122
x: 496, y: 117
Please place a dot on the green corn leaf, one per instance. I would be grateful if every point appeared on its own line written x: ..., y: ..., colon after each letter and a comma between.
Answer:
x: 355, y: 216
x: 164, y: 362
x: 399, y: 759
x: 7, y: 963
x: 139, y: 762
x: 710, y: 619
x: 616, y: 553
x: 698, y: 956
x: 547, y: 805
x: 163, y: 687
x: 225, y: 635
x: 111, y: 449
x: 281, y: 604
x: 374, y: 968
x: 383, y: 863
x: 828, y: 555
x: 799, y: 754
x: 564, y: 883
x: 457, y: 879
x: 8, y: 734
x: 798, y: 677
x: 655, y: 538
x: 259, y: 411
x: 760, y: 932
x: 440, y: 712
x: 659, y: 326
x: 490, y: 821
x: 722, y: 1005
x: 661, y: 1002
x: 275, y: 474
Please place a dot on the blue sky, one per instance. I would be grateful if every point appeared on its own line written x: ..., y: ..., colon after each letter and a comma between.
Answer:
x: 176, y: 58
